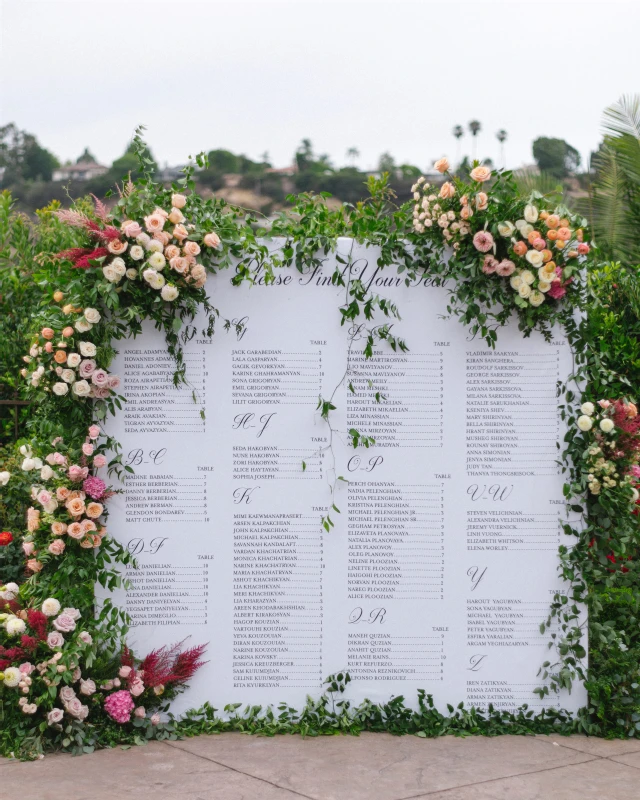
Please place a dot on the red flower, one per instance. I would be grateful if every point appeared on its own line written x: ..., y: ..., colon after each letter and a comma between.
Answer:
x: 5, y: 538
x: 38, y: 623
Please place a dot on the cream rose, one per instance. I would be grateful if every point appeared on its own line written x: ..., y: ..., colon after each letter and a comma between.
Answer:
x: 132, y: 274
x: 60, y: 389
x: 506, y: 229
x: 92, y: 315
x: 524, y: 291
x: 169, y: 292
x: 110, y: 274
x: 73, y: 360
x: 82, y: 326
x: 530, y: 213
x: 535, y: 258
x: 88, y: 349
x: 527, y: 277
x: 136, y: 252
x: 68, y: 375
x: 81, y: 388
x: 516, y: 282
x: 536, y: 298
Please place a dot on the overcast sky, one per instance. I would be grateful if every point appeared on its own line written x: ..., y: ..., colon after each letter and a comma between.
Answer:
x: 256, y: 77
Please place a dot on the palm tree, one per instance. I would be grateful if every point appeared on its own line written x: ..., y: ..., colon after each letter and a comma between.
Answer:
x: 474, y: 128
x: 501, y: 136
x: 458, y: 132
x: 614, y: 202
x: 352, y: 154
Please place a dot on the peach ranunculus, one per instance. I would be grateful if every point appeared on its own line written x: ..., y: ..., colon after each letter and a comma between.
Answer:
x: 553, y: 220
x: 180, y: 233
x: 532, y: 236
x: 191, y: 249
x: 56, y: 547
x: 520, y: 248
x: 482, y: 201
x: 58, y: 528
x: 171, y: 252
x: 131, y: 228
x: 583, y: 249
x: 67, y: 332
x: 34, y: 565
x: 539, y: 244
x: 59, y: 356
x: 547, y: 255
x: 162, y: 237
x: 211, y: 240
x: 178, y: 200
x: 75, y: 506
x: 564, y: 234
x: 75, y: 530
x: 154, y: 222
x: 442, y: 165
x: 94, y: 510
x: 480, y: 174
x: 447, y: 190
x: 47, y: 333
x: 117, y: 247
x: 179, y: 264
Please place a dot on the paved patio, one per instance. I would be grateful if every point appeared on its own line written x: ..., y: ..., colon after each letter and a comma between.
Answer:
x: 369, y: 767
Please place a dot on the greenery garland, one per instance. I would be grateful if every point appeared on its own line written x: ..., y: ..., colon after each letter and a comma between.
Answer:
x: 101, y: 276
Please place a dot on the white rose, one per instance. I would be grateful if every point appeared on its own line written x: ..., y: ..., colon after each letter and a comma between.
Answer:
x: 169, y: 292
x: 606, y: 425
x: 136, y: 252
x: 92, y: 315
x: 73, y: 360
x: 46, y: 473
x: 536, y: 298
x: 28, y: 464
x: 118, y: 266
x: 25, y: 450
x: 585, y: 423
x: 88, y: 349
x: 143, y: 239
x: 110, y: 274
x: 154, y: 246
x: 82, y: 326
x: 81, y: 388
x: 50, y: 607
x: 132, y: 274
x: 534, y: 257
x: 588, y: 409
x: 506, y: 229
x: 153, y: 278
x: 515, y: 282
x: 530, y: 213
x: 12, y: 676
x: 521, y: 223
x: 68, y: 376
x: 635, y: 494
x: 157, y: 261
x: 527, y: 276
x: 15, y: 626
x: 4, y: 477
x: 524, y: 291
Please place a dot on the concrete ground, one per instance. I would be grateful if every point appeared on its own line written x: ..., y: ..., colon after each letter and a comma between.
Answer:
x: 233, y: 766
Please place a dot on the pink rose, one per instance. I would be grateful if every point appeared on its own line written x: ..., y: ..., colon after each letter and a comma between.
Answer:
x: 26, y: 668
x: 76, y: 709
x: 124, y: 672
x: 99, y: 461
x: 74, y: 530
x: 505, y: 268
x: 163, y: 237
x: 56, y: 548
x: 131, y: 229
x: 29, y: 548
x: 191, y: 248
x: 154, y: 222
x: 212, y: 240
x: 55, y: 639
x: 67, y: 694
x: 87, y: 449
x: 64, y: 623
x: 77, y: 473
x: 557, y: 290
x: 87, y: 687
x: 139, y: 712
x: 59, y: 459
x: 94, y: 431
x: 114, y: 381
x: 483, y: 241
x: 44, y: 497
x: 100, y: 393
x: 33, y: 565
x: 54, y: 716
x: 179, y: 264
x: 100, y: 378
x: 155, y: 719
x: 137, y: 687
x: 85, y: 637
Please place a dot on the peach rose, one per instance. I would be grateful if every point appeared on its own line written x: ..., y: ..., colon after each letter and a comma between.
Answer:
x: 117, y: 247
x: 75, y: 530
x: 75, y: 506
x: 62, y: 493
x: 176, y: 216
x: 59, y: 356
x: 180, y: 233
x: 482, y: 201
x: 179, y: 264
x: 33, y: 519
x: 94, y: 510
x: 88, y: 526
x: 154, y: 222
x: 178, y: 200
x: 480, y: 174
x: 47, y: 333
x: 519, y: 248
x: 442, y: 165
x: 161, y: 211
x: 87, y: 543
x: 34, y: 565
x: 466, y: 212
x: 56, y: 547
x: 199, y: 275
x: 162, y: 237
x: 211, y: 240
x: 131, y: 229
x: 58, y: 528
x: 96, y: 539
x: 447, y: 190
x: 171, y: 252
x: 191, y: 249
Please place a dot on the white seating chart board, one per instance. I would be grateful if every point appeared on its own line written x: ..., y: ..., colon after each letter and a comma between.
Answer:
x: 443, y: 559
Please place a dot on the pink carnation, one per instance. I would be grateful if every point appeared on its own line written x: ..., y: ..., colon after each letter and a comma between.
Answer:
x: 94, y: 487
x: 483, y: 241
x: 119, y: 706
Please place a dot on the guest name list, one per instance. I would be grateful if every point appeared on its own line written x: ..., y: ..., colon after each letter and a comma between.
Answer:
x: 442, y: 559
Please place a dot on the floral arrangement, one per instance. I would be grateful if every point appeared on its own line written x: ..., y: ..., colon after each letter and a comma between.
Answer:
x: 610, y: 461
x: 50, y: 677
x: 531, y: 250
x: 68, y: 499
